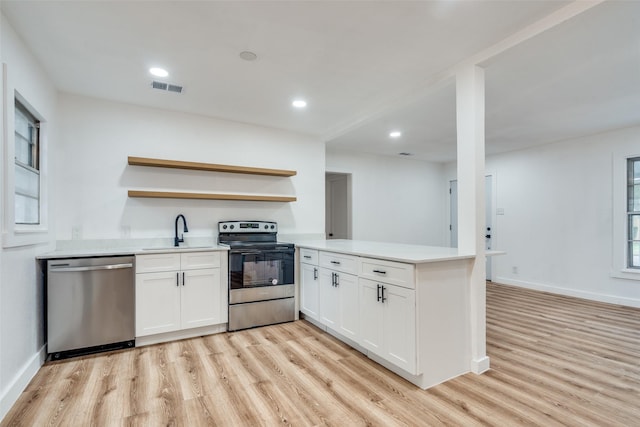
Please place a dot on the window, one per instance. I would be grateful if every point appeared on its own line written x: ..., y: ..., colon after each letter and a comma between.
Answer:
x: 633, y: 212
x: 27, y: 166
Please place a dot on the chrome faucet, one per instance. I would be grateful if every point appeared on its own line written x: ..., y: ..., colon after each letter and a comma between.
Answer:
x: 176, y: 241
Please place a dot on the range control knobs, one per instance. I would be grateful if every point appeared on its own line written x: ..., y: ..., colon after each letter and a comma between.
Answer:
x: 232, y: 226
x: 224, y: 227
x: 273, y: 226
x: 266, y: 226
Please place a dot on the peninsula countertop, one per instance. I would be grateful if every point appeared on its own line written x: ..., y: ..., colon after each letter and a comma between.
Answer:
x: 413, y: 254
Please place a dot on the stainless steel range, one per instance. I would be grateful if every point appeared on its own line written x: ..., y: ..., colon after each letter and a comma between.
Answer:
x: 261, y: 274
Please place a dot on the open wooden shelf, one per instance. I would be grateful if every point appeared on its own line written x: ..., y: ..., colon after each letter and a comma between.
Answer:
x: 176, y: 164
x: 209, y: 196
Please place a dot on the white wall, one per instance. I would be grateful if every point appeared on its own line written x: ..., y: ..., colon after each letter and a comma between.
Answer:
x: 394, y: 199
x: 557, y: 227
x: 21, y: 291
x: 93, y: 175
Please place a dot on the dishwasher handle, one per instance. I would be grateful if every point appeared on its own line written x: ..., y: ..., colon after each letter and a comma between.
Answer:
x: 55, y: 269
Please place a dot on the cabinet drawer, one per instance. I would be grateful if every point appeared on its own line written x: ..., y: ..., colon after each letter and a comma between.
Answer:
x: 199, y: 260
x: 392, y: 272
x: 339, y: 262
x: 153, y: 263
x: 309, y: 256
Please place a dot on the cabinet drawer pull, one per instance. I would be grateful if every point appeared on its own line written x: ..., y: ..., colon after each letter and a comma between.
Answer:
x: 380, y: 271
x: 315, y: 273
x: 337, y: 280
x: 307, y: 257
x: 177, y: 279
x: 335, y: 262
x: 183, y: 278
x: 379, y: 292
x: 383, y: 297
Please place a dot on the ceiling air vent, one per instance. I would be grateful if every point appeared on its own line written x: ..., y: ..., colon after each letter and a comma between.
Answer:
x: 166, y: 86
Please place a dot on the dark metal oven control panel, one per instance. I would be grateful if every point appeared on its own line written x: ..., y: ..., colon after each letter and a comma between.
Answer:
x: 247, y: 227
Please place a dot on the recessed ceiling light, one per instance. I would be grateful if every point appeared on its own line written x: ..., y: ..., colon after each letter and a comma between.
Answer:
x: 395, y: 134
x: 159, y: 72
x: 248, y: 56
x: 299, y: 103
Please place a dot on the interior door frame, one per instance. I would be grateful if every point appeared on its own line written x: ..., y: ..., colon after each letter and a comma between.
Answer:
x: 329, y: 175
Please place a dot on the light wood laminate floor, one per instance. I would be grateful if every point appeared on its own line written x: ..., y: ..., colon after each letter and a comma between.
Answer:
x: 554, y: 361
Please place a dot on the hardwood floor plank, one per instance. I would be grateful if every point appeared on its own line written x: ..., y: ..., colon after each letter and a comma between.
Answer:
x: 555, y: 361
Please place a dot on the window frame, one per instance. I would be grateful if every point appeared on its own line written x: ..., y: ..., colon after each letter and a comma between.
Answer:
x: 620, y: 211
x: 34, y: 164
x: 15, y: 235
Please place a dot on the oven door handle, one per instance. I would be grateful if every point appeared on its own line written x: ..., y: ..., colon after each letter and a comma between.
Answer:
x: 251, y: 253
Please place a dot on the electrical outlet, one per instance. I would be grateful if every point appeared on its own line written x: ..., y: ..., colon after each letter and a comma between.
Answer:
x: 76, y: 232
x: 514, y: 269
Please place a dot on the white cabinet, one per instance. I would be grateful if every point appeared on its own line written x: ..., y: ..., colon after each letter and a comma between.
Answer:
x: 392, y: 272
x: 309, y: 298
x: 157, y: 303
x: 338, y: 293
x: 388, y: 322
x: 339, y: 302
x: 371, y: 302
x: 309, y: 279
x: 176, y: 291
x: 413, y: 318
x: 328, y: 298
x: 348, y: 316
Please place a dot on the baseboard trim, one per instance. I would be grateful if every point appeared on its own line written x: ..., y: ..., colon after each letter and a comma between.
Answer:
x: 18, y: 384
x: 610, y: 299
x: 180, y: 335
x: 478, y: 366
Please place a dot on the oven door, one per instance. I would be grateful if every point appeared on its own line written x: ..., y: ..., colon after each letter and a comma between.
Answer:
x: 260, y: 274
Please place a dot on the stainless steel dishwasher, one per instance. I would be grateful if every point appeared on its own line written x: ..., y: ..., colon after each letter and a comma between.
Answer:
x: 90, y: 305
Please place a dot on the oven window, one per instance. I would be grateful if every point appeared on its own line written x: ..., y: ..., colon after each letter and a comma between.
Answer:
x: 248, y: 270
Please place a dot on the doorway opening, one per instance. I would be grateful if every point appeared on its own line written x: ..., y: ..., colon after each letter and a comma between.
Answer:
x: 489, y: 228
x: 337, y: 205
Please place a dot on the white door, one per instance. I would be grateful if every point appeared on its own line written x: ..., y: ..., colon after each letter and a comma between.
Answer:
x: 348, y: 294
x: 489, y: 231
x: 371, y: 316
x: 337, y: 217
x: 309, y: 290
x: 157, y: 302
x: 328, y: 298
x: 488, y: 194
x: 400, y: 327
x: 200, y: 297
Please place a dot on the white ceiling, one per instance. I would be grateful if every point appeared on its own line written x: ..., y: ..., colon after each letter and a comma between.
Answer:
x: 349, y: 60
x: 579, y: 78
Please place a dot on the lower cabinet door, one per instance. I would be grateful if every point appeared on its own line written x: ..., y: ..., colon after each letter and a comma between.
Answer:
x: 371, y: 316
x: 200, y: 298
x: 349, y: 321
x: 157, y: 303
x: 309, y: 290
x: 328, y: 299
x: 399, y: 327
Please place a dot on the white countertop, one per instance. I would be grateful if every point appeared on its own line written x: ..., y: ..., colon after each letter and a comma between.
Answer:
x: 413, y: 254
x: 124, y: 250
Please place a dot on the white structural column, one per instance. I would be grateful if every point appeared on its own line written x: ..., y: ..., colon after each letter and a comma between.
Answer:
x: 471, y: 205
